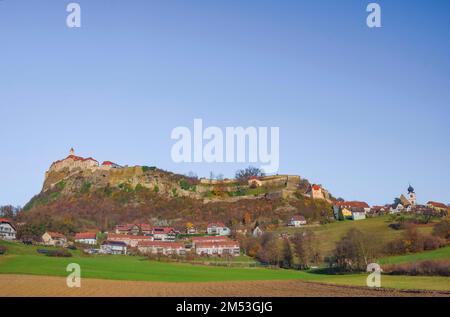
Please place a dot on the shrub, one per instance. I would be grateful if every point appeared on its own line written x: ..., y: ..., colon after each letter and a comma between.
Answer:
x: 432, y: 243
x: 428, y: 268
x: 2, y: 250
x: 395, y: 247
x: 59, y: 253
x: 442, y: 229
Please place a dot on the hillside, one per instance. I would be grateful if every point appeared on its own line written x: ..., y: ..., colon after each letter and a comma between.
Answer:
x: 80, y: 194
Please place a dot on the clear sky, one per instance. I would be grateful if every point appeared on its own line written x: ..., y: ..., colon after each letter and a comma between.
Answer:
x: 361, y: 111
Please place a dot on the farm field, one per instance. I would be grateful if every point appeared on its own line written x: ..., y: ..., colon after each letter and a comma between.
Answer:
x: 25, y: 260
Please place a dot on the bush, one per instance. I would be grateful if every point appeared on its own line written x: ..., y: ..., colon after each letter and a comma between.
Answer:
x: 61, y: 253
x: 428, y: 268
x: 442, y: 229
x: 433, y: 243
x: 2, y: 250
x: 395, y: 247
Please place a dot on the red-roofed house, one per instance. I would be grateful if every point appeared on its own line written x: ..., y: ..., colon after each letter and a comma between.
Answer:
x: 196, y: 240
x: 7, y: 229
x: 254, y: 181
x: 160, y: 247
x: 86, y: 238
x: 164, y: 234
x: 134, y: 229
x: 218, y: 228
x: 72, y: 161
x: 217, y: 248
x: 108, y: 165
x: 298, y: 221
x: 437, y: 206
x: 353, y: 204
x: 315, y: 192
x: 129, y: 240
x: 54, y: 239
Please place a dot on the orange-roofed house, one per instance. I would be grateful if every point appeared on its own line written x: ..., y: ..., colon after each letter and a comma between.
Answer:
x: 217, y: 248
x: 297, y: 221
x: 161, y: 247
x: 437, y: 206
x: 86, y: 238
x: 54, y: 239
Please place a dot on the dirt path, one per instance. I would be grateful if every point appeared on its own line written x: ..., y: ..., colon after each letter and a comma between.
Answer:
x: 30, y: 285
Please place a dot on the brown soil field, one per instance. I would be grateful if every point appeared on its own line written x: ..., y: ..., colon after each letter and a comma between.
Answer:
x: 30, y: 285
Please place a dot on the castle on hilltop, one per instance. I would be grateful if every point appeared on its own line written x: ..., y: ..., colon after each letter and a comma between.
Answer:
x: 77, y: 162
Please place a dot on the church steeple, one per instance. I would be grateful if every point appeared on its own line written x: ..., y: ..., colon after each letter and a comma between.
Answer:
x: 72, y: 152
x: 412, y: 195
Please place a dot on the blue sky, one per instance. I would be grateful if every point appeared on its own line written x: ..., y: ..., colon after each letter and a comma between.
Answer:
x: 361, y: 111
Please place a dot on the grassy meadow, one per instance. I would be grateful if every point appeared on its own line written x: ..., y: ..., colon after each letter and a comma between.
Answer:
x: 21, y: 259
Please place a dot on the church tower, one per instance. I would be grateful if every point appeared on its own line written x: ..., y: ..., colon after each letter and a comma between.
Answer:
x: 72, y: 152
x: 412, y: 195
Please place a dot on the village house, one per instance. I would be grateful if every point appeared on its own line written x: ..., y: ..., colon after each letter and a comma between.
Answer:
x: 353, y: 204
x: 7, y: 229
x: 130, y: 240
x: 395, y: 209
x: 134, y: 229
x: 106, y: 165
x: 297, y: 221
x: 358, y: 214
x: 113, y: 247
x: 160, y: 247
x: 254, y: 182
x: 54, y: 239
x: 86, y: 238
x: 218, y: 228
x: 437, y: 206
x: 217, y: 248
x: 196, y: 240
x: 164, y: 234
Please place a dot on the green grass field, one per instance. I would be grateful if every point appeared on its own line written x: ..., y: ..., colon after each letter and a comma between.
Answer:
x: 439, y: 254
x: 330, y: 234
x: 25, y: 260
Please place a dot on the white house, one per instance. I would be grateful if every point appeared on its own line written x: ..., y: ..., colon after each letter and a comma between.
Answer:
x: 218, y: 248
x: 399, y: 208
x: 218, y: 228
x: 113, y: 247
x: 164, y: 234
x: 160, y: 247
x: 7, y: 229
x: 86, y: 238
x: 298, y: 221
x: 358, y: 215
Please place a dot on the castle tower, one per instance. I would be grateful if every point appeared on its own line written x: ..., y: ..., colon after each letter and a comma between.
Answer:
x: 72, y: 152
x: 412, y: 195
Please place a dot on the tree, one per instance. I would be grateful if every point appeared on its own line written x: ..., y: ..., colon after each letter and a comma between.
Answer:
x: 306, y: 249
x: 355, y: 251
x: 442, y: 229
x: 245, y: 174
x: 269, y: 252
x: 287, y: 257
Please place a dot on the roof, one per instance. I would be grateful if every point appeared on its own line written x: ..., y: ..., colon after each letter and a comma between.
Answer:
x: 163, y: 230
x: 437, y: 204
x: 316, y: 187
x: 161, y: 244
x: 85, y: 235
x: 298, y: 218
x: 210, y: 239
x: 76, y: 158
x: 217, y: 244
x: 118, y: 243
x: 358, y: 204
x: 107, y: 163
x: 127, y: 237
x: 56, y: 235
x: 216, y: 224
x: 253, y: 178
x: 8, y: 221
